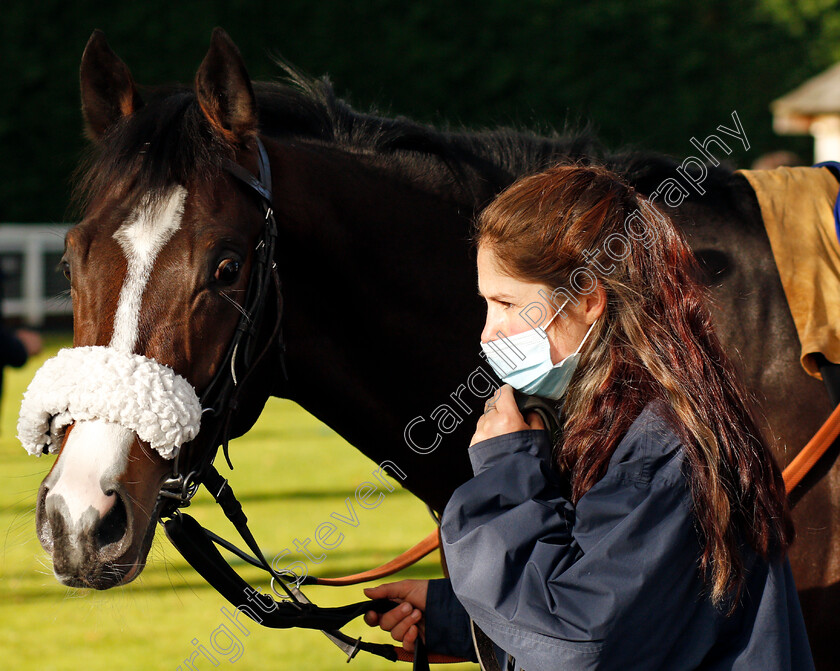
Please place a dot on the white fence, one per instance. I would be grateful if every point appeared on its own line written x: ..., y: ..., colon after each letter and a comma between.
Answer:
x: 29, y: 255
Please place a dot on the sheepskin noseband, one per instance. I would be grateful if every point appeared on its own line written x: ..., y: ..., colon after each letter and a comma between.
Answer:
x: 84, y: 383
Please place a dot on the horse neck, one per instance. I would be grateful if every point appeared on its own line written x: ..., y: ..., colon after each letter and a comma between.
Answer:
x: 371, y: 265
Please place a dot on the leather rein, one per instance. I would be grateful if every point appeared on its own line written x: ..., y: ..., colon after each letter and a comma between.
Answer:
x: 812, y: 452
x: 220, y: 401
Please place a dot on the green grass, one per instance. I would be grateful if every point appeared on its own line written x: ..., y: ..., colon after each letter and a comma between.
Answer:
x: 291, y: 469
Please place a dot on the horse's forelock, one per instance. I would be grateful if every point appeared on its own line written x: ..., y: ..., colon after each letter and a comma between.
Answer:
x: 166, y: 143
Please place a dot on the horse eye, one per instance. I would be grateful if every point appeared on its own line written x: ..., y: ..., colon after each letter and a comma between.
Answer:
x: 65, y: 269
x: 228, y: 271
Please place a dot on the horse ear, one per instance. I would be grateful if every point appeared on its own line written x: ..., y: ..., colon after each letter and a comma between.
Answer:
x: 108, y: 89
x: 224, y: 90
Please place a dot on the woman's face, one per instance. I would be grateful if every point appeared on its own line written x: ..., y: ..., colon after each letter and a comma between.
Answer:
x: 514, y: 306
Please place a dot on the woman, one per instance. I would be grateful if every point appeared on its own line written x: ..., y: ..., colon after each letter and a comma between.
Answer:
x: 655, y: 535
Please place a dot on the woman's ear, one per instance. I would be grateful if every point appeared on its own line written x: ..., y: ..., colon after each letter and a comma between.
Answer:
x: 594, y: 303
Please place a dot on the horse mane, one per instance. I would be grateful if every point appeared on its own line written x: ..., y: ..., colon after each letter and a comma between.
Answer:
x: 305, y: 107
x: 168, y: 141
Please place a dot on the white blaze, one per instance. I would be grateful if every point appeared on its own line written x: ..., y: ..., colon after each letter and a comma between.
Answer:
x: 141, y: 237
x: 96, y: 451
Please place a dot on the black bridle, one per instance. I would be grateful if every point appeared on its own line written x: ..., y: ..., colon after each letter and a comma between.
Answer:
x: 219, y: 402
x: 220, y: 399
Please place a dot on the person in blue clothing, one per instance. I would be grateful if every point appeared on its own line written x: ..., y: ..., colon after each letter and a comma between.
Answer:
x: 654, y: 534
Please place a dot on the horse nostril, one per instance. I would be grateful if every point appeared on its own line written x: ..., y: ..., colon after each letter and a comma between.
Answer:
x: 113, y: 526
x: 42, y: 523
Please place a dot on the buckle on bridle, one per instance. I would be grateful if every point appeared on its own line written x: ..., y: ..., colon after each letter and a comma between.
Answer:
x: 180, y: 488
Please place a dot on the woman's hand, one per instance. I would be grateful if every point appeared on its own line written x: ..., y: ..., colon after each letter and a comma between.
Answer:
x: 501, y: 416
x: 405, y: 622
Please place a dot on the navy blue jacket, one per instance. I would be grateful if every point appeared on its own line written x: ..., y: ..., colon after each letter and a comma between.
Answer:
x: 612, y: 583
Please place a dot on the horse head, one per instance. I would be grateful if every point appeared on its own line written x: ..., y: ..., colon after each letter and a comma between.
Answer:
x: 159, y: 268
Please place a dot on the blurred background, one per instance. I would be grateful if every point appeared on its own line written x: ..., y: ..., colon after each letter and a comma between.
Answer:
x: 644, y: 74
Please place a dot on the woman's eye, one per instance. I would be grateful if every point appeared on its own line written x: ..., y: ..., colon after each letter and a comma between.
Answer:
x: 228, y: 271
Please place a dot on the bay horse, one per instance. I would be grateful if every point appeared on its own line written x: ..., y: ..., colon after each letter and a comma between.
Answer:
x: 380, y: 315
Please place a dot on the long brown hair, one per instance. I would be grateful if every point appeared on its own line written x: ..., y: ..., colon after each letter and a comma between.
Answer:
x: 573, y: 226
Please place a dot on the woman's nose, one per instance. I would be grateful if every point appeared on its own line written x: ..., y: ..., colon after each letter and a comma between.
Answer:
x: 491, y: 326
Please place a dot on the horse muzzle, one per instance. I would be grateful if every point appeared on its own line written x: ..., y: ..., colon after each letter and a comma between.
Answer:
x: 93, y: 549
x: 117, y: 419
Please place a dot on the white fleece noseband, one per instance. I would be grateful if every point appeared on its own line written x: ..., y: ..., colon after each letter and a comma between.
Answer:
x: 85, y: 383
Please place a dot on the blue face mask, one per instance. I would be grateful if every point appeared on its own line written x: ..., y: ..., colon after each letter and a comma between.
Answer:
x: 528, y: 354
